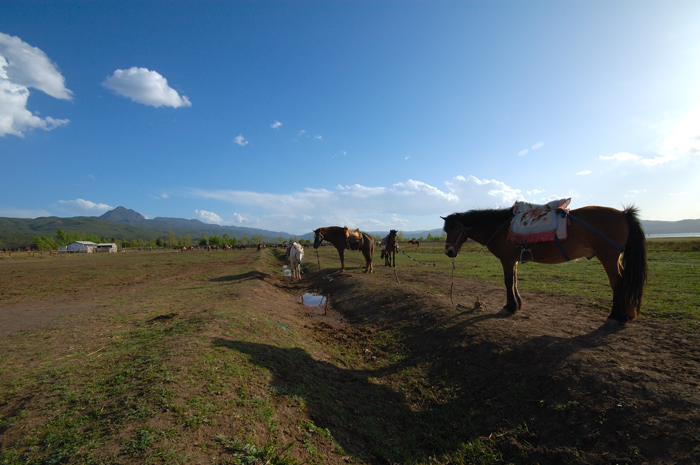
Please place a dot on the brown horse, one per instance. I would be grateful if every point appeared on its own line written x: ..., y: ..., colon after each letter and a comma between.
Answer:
x: 615, y: 237
x: 389, y: 248
x: 338, y: 237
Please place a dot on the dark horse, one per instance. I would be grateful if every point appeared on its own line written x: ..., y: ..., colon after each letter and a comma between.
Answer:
x: 615, y: 237
x: 389, y: 248
x: 338, y: 237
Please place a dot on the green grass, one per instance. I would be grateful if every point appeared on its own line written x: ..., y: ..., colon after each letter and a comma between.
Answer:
x: 672, y: 290
x: 142, y: 375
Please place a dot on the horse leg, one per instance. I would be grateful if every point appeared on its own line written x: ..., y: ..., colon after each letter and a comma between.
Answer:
x: 341, y: 252
x: 618, y: 307
x: 510, y: 279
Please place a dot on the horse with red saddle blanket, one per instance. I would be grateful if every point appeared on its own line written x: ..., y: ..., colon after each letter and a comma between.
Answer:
x: 552, y: 234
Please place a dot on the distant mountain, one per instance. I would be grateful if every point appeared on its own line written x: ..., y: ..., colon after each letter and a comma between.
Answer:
x: 124, y: 215
x: 671, y: 227
x: 126, y: 224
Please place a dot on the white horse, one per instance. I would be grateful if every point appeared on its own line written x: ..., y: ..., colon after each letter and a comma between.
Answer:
x: 296, y: 253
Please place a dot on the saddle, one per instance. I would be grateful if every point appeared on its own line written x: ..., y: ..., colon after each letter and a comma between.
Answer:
x: 353, y: 238
x: 538, y: 223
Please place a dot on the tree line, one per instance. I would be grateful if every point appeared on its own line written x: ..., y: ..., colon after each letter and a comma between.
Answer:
x: 63, y: 238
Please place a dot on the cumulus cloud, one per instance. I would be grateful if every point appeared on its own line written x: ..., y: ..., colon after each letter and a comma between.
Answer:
x: 83, y: 207
x: 409, y: 204
x: 240, y: 140
x: 145, y: 86
x: 23, y: 67
x: 630, y: 157
x: 275, y: 125
x: 208, y: 217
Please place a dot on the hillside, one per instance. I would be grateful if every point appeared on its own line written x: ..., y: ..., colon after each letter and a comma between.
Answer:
x: 126, y: 224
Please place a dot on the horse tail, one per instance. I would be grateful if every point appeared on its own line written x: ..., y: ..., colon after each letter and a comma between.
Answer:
x: 633, y: 264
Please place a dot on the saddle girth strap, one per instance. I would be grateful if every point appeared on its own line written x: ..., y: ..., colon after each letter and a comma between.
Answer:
x: 495, y: 233
x: 561, y: 248
x: 618, y: 246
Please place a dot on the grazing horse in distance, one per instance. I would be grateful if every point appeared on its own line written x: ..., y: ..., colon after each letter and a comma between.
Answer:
x: 615, y: 237
x: 339, y: 238
x: 389, y: 248
x: 296, y: 253
x: 414, y: 241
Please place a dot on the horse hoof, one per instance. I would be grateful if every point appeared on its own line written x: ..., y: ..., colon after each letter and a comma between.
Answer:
x: 504, y: 313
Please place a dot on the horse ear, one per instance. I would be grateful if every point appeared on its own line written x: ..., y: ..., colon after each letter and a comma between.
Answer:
x: 443, y: 218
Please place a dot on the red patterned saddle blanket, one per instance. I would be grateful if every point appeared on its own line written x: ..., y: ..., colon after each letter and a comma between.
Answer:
x: 538, y: 223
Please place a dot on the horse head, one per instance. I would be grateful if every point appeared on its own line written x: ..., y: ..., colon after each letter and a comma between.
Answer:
x: 318, y: 238
x: 457, y: 234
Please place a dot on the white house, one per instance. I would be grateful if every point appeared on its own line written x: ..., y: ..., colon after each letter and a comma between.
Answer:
x: 79, y: 247
x: 107, y: 247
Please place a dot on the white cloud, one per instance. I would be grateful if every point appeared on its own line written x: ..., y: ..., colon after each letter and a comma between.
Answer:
x: 411, y: 204
x: 208, y: 217
x: 239, y: 219
x: 622, y: 156
x: 240, y: 140
x: 630, y: 157
x: 318, y: 137
x: 275, y: 125
x: 583, y: 173
x: 22, y: 67
x: 83, y: 207
x: 537, y: 146
x: 144, y: 86
x: 523, y: 152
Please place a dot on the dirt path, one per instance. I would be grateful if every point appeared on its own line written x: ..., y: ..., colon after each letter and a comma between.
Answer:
x: 556, y: 382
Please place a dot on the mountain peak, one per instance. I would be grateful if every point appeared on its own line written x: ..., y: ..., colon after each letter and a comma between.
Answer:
x: 123, y: 215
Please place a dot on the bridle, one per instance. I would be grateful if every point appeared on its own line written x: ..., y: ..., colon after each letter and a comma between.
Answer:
x: 318, y: 239
x: 462, y: 232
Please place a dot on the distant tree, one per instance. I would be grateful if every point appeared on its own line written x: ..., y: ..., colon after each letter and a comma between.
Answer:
x: 171, y: 238
x: 161, y: 243
x: 281, y: 239
x: 226, y: 239
x: 60, y: 236
x: 214, y: 240
x: 188, y: 239
x: 399, y: 236
x: 245, y: 240
x: 261, y: 238
x: 45, y: 243
x: 203, y: 241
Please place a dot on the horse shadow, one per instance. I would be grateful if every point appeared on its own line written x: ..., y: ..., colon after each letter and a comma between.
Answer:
x: 241, y: 277
x: 369, y: 420
x: 473, y: 389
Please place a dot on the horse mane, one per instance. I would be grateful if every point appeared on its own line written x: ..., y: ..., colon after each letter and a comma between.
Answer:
x: 483, y: 218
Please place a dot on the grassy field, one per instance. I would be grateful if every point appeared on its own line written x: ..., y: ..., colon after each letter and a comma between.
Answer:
x: 195, y: 358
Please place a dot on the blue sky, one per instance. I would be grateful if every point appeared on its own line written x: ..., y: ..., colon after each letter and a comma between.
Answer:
x: 292, y: 115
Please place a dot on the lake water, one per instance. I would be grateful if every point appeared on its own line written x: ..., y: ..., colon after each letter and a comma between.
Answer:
x: 673, y: 235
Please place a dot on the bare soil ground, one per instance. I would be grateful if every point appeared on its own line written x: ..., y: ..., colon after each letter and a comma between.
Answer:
x: 554, y: 383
